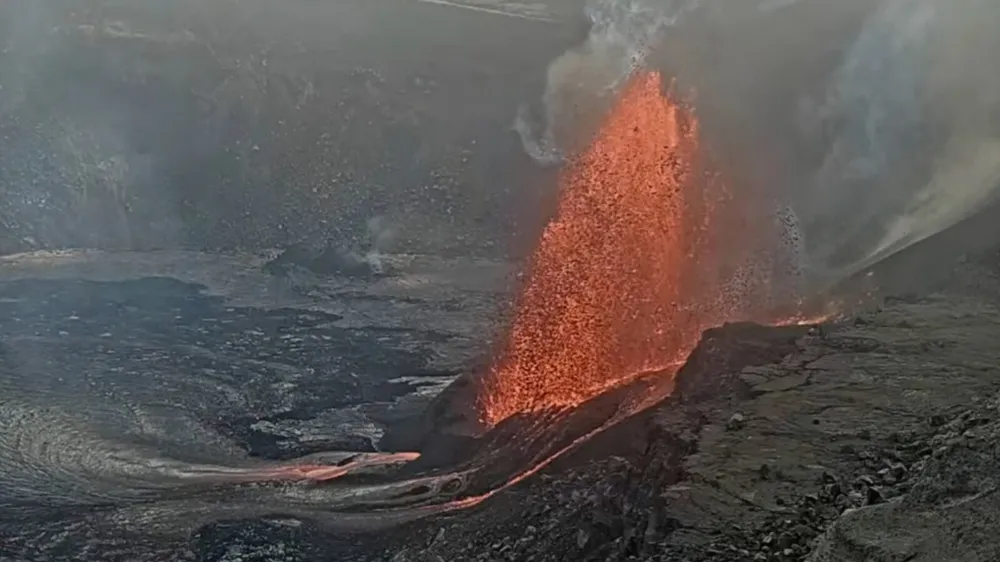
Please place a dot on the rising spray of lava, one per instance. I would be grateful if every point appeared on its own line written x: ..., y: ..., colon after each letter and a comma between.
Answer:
x: 647, y: 250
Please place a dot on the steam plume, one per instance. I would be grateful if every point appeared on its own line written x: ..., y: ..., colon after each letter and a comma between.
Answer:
x: 914, y: 153
x: 581, y: 81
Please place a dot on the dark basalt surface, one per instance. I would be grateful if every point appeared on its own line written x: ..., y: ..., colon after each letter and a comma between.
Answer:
x: 114, y: 377
x: 174, y: 332
x: 774, y: 446
x: 779, y: 445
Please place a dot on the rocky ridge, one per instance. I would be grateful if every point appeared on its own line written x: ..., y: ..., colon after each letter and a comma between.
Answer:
x: 819, y: 453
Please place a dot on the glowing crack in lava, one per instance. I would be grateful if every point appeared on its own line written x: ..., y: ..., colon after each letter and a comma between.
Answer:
x: 647, y: 250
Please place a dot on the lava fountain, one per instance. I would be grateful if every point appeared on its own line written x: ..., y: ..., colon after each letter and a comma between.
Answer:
x: 648, y: 249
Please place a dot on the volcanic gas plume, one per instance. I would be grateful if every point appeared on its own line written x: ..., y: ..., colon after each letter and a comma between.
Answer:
x: 647, y: 250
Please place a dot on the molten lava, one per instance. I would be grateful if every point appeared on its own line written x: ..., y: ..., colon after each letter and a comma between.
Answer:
x: 647, y: 250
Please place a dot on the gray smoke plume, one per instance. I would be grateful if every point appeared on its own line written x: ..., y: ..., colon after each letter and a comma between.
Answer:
x: 581, y: 81
x: 874, y: 107
x: 914, y: 153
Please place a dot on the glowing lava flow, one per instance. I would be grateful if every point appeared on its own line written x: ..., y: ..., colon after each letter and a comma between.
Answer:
x: 647, y: 250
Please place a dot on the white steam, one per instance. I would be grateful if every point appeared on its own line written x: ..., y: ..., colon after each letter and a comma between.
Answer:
x: 965, y: 178
x: 874, y: 110
x: 582, y: 79
x: 910, y: 157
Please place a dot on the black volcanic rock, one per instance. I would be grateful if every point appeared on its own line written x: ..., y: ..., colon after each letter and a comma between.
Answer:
x: 715, y: 364
x: 695, y: 492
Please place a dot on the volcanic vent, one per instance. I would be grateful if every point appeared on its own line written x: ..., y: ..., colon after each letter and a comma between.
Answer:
x: 649, y: 247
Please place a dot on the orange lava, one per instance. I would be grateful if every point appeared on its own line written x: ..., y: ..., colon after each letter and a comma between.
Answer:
x: 307, y: 472
x: 647, y: 250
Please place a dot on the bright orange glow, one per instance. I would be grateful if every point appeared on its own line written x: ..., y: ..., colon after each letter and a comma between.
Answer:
x: 647, y: 250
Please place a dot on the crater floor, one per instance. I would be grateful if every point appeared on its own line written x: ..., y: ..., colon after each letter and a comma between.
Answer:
x: 872, y: 439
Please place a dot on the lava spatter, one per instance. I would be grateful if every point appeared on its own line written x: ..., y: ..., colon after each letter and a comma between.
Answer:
x: 647, y: 250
